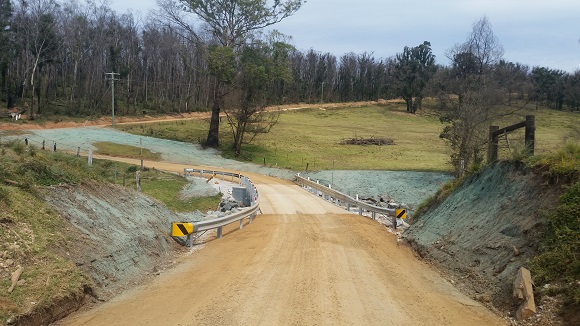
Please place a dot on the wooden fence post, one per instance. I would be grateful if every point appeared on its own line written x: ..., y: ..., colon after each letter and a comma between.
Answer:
x: 530, y: 134
x: 492, y: 146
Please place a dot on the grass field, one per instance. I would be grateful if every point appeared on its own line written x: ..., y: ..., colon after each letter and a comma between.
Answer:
x: 313, y: 136
x: 112, y: 149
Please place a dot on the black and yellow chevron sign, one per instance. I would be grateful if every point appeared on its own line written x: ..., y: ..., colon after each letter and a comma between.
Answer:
x: 401, y: 213
x: 181, y: 229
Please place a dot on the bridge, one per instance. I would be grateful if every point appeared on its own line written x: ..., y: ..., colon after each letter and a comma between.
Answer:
x: 303, y: 261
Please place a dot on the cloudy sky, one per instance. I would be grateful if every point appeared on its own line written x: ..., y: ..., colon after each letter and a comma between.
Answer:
x: 533, y: 32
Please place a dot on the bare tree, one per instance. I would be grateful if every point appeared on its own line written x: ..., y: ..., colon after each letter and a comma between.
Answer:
x: 479, y: 95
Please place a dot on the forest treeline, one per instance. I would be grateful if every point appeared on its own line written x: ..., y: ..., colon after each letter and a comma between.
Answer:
x: 54, y: 56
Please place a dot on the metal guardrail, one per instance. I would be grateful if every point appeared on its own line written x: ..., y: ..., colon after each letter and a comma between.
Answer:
x: 220, y: 222
x: 343, y: 198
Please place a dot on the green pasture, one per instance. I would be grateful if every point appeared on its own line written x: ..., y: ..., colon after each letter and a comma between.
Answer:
x: 313, y: 137
x: 112, y: 149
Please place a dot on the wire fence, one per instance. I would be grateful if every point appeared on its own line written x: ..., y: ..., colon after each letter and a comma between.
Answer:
x: 48, y: 144
x: 123, y: 176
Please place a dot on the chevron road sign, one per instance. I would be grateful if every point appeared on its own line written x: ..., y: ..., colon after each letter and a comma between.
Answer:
x: 401, y: 213
x: 181, y: 229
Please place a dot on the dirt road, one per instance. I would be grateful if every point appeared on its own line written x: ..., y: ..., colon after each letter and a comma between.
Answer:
x: 303, y: 262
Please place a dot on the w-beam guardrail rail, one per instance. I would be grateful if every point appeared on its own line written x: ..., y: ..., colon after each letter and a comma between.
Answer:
x: 220, y: 222
x: 343, y: 199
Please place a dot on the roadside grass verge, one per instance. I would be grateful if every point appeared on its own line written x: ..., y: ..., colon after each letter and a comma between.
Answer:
x: 166, y: 188
x: 118, y: 150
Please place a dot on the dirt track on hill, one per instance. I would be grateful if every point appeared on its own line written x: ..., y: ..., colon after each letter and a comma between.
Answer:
x: 303, y: 262
x: 103, y: 121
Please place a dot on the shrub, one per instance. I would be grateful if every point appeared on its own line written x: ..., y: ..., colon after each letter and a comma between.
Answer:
x: 559, y: 258
x: 560, y: 248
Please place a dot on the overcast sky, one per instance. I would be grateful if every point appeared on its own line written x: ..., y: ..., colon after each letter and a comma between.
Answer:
x: 533, y: 32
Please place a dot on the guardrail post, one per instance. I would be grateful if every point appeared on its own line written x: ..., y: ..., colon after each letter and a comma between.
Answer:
x: 241, y: 224
x: 201, y: 173
x: 219, y: 232
x: 360, y: 211
x: 374, y: 216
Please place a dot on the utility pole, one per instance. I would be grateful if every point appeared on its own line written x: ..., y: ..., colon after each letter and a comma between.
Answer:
x: 112, y: 76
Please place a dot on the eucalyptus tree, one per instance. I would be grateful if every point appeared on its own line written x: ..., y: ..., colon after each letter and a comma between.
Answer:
x: 346, y: 76
x: 572, y: 91
x: 548, y: 86
x: 38, y: 31
x: 260, y: 65
x: 513, y: 78
x: 77, y: 47
x: 414, y: 67
x: 7, y: 52
x: 230, y: 23
x: 366, y: 85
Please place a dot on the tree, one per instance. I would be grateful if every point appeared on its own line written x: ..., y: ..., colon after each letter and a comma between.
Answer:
x: 413, y: 70
x: 38, y: 31
x: 548, y: 86
x: 231, y: 22
x: 45, y: 46
x: 260, y: 65
x: 572, y: 91
x: 6, y: 46
x: 513, y: 77
x: 479, y: 96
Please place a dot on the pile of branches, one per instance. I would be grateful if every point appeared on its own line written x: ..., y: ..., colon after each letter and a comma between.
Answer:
x: 367, y: 141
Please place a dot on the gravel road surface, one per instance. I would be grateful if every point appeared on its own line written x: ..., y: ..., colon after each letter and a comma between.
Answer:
x: 302, y: 262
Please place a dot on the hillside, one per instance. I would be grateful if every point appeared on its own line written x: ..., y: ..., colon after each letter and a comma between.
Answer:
x: 488, y: 228
x: 75, y: 235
